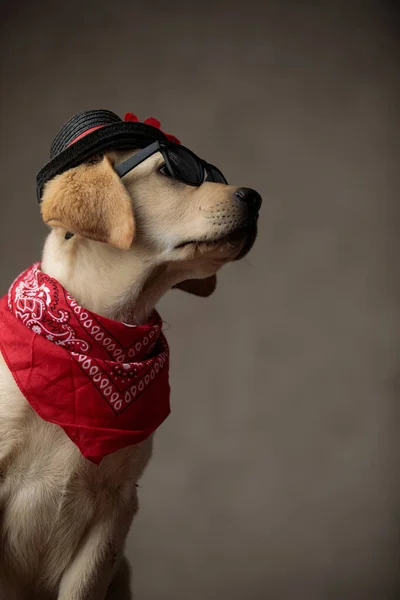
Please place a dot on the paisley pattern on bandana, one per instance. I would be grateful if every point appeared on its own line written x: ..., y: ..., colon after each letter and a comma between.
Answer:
x: 123, y: 366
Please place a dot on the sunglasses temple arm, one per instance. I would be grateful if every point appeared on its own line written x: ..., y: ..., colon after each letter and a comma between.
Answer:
x: 135, y: 160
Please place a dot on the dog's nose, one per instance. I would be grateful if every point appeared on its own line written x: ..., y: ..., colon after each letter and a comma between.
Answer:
x: 250, y: 197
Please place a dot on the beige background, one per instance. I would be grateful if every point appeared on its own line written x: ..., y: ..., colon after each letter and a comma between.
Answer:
x: 275, y: 476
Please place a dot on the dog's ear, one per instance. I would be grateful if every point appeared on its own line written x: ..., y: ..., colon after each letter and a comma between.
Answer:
x: 199, y: 287
x: 90, y: 200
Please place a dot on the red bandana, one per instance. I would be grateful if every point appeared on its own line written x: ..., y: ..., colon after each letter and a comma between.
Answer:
x: 105, y: 383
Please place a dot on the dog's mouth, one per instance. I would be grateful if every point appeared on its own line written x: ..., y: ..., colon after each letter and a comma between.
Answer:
x: 241, y: 239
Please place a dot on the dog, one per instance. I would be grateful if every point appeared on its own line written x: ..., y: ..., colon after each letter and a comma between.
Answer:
x: 117, y: 245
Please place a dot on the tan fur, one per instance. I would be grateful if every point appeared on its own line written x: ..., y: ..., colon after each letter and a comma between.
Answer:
x: 90, y: 200
x: 63, y: 519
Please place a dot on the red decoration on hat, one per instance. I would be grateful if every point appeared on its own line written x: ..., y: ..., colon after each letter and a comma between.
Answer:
x: 130, y: 117
x: 153, y: 122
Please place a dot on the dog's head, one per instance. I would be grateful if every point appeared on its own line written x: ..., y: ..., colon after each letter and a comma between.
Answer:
x: 193, y: 230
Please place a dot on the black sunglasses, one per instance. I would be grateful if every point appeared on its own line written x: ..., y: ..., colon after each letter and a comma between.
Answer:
x: 180, y: 163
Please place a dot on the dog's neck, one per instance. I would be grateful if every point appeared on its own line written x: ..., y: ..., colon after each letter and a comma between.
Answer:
x: 116, y: 284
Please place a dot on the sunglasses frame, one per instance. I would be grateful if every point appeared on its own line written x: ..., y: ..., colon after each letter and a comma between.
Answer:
x: 163, y: 147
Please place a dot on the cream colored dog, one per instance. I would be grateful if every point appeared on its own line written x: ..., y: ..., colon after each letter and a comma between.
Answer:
x: 64, y: 520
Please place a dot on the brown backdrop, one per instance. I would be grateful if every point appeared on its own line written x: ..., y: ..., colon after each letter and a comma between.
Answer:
x: 275, y: 476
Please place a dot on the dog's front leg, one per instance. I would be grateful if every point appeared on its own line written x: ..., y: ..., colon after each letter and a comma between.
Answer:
x: 92, y: 569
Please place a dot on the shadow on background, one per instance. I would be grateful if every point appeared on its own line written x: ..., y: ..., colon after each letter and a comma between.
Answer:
x: 274, y: 477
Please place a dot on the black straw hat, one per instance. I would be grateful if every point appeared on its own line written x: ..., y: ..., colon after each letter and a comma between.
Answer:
x: 95, y: 131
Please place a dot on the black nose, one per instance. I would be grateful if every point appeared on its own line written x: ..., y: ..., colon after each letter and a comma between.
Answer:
x: 250, y: 197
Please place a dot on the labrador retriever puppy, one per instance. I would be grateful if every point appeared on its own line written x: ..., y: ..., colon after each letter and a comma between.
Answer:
x: 64, y: 519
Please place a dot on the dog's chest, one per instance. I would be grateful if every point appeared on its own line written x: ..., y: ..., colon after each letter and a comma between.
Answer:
x: 50, y: 495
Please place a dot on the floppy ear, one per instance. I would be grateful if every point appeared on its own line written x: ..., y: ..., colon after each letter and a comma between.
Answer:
x: 198, y: 287
x: 92, y: 201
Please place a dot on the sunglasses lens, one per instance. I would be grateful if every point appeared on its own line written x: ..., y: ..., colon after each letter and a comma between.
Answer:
x: 185, y: 166
x: 214, y: 174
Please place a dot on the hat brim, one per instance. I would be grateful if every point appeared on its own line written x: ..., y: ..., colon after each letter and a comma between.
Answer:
x: 117, y: 136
